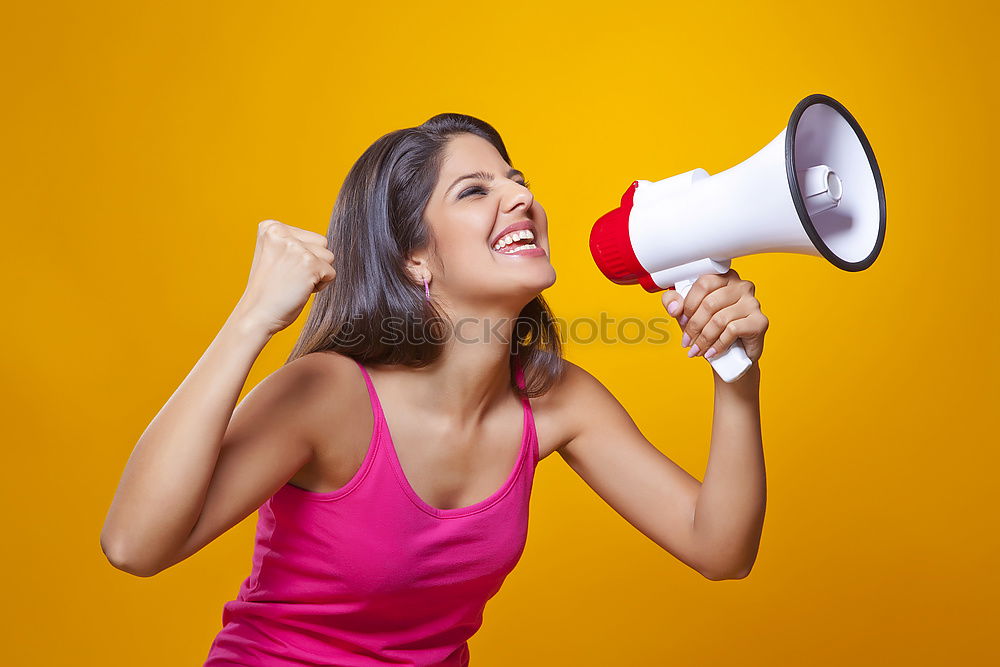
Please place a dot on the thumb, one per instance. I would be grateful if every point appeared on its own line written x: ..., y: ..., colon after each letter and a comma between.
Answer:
x: 673, y: 302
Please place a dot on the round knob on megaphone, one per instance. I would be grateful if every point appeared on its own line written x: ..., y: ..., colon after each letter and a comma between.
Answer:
x: 821, y: 188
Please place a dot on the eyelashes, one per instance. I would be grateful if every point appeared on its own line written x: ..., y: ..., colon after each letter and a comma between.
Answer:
x: 468, y: 191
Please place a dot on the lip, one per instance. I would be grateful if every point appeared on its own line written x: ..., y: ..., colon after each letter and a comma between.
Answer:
x: 523, y: 224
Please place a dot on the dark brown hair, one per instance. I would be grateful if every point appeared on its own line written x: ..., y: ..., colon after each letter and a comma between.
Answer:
x: 377, y: 221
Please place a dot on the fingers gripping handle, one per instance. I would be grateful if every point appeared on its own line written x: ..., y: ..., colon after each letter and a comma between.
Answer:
x: 734, y: 362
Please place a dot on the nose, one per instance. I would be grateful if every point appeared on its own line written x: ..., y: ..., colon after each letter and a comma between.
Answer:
x: 518, y: 195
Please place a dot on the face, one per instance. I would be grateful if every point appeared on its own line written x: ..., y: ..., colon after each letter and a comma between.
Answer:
x: 467, y: 215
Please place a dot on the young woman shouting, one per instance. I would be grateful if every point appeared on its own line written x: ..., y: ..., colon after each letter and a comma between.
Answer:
x: 391, y: 458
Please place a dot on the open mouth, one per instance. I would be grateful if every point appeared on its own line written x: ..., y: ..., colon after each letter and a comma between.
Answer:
x: 515, y: 242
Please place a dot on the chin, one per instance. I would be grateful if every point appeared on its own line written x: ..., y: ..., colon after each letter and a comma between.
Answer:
x: 524, y: 290
x: 539, y: 275
x: 550, y: 282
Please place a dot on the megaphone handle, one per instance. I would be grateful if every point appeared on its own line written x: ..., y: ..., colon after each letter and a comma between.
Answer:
x: 731, y: 364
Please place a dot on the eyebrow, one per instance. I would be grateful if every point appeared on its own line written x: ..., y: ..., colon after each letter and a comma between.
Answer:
x: 485, y: 175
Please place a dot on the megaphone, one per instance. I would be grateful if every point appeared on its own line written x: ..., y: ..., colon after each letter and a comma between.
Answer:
x: 815, y: 189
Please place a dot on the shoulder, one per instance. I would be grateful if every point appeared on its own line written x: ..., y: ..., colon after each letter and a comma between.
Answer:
x: 320, y: 367
x: 576, y: 399
x: 309, y: 392
x: 331, y: 381
x: 575, y: 383
x: 310, y: 375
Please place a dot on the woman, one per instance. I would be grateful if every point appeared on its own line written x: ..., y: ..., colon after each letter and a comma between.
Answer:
x: 392, y: 456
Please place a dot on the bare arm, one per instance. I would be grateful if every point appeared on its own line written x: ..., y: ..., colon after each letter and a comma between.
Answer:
x: 173, y: 467
x: 163, y: 486
x: 609, y: 452
x: 713, y: 526
x: 729, y: 515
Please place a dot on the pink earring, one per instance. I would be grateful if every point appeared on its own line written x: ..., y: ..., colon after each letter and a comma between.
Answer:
x: 427, y: 290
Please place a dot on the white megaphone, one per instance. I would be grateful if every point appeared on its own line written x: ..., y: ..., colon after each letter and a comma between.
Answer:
x: 815, y: 189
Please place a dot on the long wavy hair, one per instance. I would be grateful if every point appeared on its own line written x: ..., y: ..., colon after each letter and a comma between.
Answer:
x: 375, y: 311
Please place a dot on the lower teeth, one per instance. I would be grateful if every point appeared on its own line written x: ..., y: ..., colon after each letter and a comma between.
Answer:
x: 527, y: 246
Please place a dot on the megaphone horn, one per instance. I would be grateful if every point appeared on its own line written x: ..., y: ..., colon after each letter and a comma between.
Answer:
x: 815, y: 189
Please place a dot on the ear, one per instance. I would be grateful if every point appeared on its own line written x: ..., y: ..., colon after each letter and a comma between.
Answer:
x: 418, y: 266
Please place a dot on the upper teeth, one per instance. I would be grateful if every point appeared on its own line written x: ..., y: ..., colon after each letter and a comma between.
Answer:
x: 513, y: 236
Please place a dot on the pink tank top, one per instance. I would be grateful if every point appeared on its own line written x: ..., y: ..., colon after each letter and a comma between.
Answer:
x: 370, y: 574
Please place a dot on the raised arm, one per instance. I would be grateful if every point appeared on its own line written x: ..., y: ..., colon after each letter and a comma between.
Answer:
x: 718, y: 310
x: 163, y: 489
x: 713, y: 526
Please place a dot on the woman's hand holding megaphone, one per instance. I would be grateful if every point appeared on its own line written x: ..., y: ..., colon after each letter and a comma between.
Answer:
x: 718, y: 310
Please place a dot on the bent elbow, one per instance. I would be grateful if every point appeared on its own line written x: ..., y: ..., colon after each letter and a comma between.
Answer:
x: 127, y: 565
x: 124, y: 566
x: 712, y: 576
x: 722, y: 577
x: 744, y: 572
x: 726, y: 575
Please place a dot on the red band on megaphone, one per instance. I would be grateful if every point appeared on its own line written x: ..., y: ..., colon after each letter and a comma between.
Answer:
x: 611, y: 246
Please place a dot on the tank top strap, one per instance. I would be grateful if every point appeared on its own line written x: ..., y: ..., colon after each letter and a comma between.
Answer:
x: 372, y: 395
x: 530, y: 440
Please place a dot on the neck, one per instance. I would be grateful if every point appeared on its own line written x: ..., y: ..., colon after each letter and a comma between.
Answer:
x: 472, y: 375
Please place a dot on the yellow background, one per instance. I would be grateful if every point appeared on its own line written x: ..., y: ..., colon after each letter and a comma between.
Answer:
x: 143, y: 142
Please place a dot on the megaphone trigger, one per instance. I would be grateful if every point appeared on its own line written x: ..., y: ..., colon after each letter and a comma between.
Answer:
x: 734, y: 362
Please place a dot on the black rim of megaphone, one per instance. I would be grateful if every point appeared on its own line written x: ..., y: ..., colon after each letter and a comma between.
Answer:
x: 793, y: 182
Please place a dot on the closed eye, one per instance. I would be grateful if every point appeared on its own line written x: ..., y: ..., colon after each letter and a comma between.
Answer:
x: 469, y: 191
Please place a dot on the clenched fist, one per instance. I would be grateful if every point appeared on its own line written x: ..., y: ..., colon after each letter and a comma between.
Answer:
x: 289, y: 264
